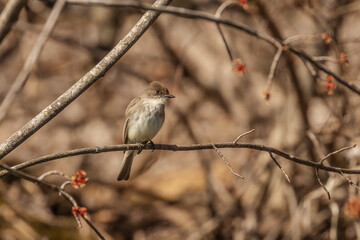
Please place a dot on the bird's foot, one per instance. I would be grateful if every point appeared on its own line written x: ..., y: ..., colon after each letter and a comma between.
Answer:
x: 140, y: 145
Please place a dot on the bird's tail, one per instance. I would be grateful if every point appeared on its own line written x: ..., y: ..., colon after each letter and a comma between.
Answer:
x: 126, y: 166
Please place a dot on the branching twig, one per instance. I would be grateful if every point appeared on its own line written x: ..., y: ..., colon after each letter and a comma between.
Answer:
x: 31, y: 59
x: 227, y: 162
x: 336, y: 152
x: 320, y: 154
x: 278, y: 164
x: 187, y: 13
x: 316, y: 144
x: 66, y: 195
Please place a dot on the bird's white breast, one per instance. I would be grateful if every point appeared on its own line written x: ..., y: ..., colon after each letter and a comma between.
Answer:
x: 144, y: 125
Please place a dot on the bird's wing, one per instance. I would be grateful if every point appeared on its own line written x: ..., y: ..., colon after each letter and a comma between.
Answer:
x: 127, y: 111
x: 131, y: 105
x: 125, y: 131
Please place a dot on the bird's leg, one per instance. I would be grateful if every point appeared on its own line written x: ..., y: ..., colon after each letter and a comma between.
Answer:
x: 148, y: 141
x: 140, y: 144
x: 152, y: 145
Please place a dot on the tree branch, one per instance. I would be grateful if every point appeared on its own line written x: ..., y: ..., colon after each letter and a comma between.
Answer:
x: 61, y: 191
x: 175, y: 148
x: 188, y: 13
x: 84, y: 83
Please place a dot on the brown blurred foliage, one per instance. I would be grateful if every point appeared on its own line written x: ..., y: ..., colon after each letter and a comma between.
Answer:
x: 186, y: 195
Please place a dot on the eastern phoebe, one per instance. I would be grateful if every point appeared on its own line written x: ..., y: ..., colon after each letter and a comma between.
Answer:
x: 144, y: 117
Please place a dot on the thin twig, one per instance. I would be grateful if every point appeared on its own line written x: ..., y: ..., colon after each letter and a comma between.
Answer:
x: 218, y: 13
x: 31, y: 59
x: 243, y: 135
x: 348, y: 180
x: 301, y: 38
x: 320, y: 182
x: 311, y: 69
x: 226, y: 161
x: 223, y: 6
x: 225, y: 42
x: 272, y: 69
x: 320, y: 154
x: 82, y: 84
x: 278, y: 164
x: 315, y: 143
x: 53, y: 172
x: 168, y: 147
x: 65, y: 184
x: 325, y: 59
x: 336, y: 152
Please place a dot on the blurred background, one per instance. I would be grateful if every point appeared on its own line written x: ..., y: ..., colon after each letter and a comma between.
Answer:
x: 188, y: 195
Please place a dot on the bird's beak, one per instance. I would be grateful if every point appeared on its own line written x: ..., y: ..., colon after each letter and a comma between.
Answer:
x: 169, y: 96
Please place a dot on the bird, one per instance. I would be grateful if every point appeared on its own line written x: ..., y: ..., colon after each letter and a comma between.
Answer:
x: 145, y: 116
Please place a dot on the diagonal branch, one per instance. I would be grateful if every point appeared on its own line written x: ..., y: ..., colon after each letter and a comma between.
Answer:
x: 226, y: 162
x: 279, y: 166
x: 84, y: 83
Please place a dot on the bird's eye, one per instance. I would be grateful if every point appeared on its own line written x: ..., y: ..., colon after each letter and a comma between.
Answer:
x: 157, y: 91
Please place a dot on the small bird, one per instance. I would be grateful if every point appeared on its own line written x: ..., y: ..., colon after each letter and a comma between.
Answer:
x: 144, y: 117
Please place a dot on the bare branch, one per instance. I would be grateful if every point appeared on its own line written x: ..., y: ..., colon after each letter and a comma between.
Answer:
x: 227, y: 162
x: 320, y: 182
x: 325, y: 59
x: 320, y: 154
x: 348, y: 180
x: 218, y: 13
x: 65, y: 184
x: 272, y: 69
x: 243, y: 135
x: 54, y: 172
x: 278, y: 164
x: 301, y: 38
x: 311, y: 69
x: 336, y: 152
x: 122, y: 147
x: 31, y: 59
x: 84, y: 83
x: 9, y: 16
